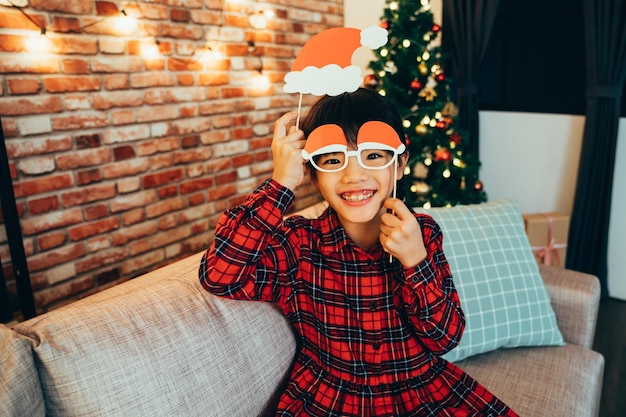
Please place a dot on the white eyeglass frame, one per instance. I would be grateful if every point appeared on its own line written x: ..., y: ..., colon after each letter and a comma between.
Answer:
x: 357, y: 154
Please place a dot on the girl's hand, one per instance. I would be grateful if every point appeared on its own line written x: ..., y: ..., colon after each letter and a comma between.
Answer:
x: 401, y: 235
x: 286, y: 150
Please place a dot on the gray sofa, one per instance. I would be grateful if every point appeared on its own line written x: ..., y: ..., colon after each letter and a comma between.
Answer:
x: 159, y: 345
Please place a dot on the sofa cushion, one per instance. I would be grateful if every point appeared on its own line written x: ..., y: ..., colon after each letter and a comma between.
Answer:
x: 160, y: 345
x: 560, y: 381
x: 20, y: 392
x: 497, y: 277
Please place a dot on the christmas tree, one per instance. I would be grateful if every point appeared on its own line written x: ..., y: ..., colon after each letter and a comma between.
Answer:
x: 409, y: 70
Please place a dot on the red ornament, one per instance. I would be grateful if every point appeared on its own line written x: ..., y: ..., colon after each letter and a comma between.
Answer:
x: 384, y: 24
x: 436, y: 28
x: 443, y: 154
x: 441, y: 124
x: 440, y: 77
x: 371, y: 81
x: 416, y: 85
x: 456, y: 138
x: 478, y: 186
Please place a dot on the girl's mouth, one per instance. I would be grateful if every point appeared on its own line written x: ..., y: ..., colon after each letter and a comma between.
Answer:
x: 357, y: 196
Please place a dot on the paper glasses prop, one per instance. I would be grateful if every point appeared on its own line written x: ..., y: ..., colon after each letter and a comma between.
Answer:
x: 378, y: 146
x: 324, y: 64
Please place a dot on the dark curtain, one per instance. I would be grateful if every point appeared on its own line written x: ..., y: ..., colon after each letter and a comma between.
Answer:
x: 467, y: 26
x: 605, y: 38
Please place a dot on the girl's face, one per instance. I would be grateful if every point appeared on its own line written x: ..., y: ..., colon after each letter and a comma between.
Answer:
x: 357, y: 194
x: 356, y: 181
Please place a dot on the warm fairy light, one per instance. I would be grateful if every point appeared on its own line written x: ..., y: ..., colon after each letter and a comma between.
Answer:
x: 384, y: 52
x: 427, y: 205
x: 446, y: 173
x: 393, y: 5
x: 259, y: 19
x: 38, y: 42
x: 125, y: 24
x: 382, y: 92
x: 428, y: 162
x: 208, y: 54
x: 406, y: 43
x: 150, y: 50
x: 456, y: 161
x: 406, y: 124
x: 260, y: 82
x: 426, y: 56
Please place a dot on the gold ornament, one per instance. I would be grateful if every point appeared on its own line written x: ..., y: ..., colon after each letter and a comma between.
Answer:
x: 428, y: 93
x: 423, y: 68
x: 420, y: 188
x: 420, y: 170
x: 450, y: 110
x: 421, y: 129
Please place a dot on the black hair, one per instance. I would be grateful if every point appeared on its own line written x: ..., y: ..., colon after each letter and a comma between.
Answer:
x: 350, y: 111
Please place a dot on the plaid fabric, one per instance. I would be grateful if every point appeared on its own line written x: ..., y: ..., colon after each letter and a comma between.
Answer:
x: 371, y: 332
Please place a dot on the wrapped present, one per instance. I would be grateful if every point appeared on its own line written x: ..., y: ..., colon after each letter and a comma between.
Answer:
x: 547, y: 234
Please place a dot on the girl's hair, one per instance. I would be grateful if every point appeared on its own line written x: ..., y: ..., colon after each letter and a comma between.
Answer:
x: 350, y: 111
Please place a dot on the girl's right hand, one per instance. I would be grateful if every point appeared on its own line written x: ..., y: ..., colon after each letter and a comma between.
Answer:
x: 287, y: 152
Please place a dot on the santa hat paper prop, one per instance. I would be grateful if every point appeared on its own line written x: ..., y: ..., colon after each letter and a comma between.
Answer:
x: 324, y: 64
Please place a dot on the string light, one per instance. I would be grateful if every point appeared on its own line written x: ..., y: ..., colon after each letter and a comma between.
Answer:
x: 38, y: 42
x: 259, y: 19
x: 125, y: 24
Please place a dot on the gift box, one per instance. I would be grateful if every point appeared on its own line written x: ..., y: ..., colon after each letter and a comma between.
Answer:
x: 547, y: 234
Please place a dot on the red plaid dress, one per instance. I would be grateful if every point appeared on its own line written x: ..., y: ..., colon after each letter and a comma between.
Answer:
x: 371, y: 332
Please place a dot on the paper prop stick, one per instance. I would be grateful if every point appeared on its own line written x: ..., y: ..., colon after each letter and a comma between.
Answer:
x: 375, y: 133
x: 324, y: 64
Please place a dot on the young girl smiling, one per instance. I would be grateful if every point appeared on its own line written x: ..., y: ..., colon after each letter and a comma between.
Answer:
x: 366, y: 285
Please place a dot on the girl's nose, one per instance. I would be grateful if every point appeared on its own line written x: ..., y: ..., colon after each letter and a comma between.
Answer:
x: 353, y: 171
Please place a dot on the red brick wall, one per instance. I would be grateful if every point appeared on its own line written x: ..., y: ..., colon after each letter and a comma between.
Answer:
x: 122, y: 162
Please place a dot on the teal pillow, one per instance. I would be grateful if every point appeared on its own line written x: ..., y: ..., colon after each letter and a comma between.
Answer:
x: 497, y: 277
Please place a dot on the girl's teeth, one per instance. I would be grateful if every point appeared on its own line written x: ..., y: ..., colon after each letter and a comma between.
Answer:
x: 357, y: 197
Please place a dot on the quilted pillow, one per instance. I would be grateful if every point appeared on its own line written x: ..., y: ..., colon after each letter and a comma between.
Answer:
x: 497, y: 278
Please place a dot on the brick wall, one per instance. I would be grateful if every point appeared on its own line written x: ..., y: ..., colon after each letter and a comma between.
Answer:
x: 125, y: 145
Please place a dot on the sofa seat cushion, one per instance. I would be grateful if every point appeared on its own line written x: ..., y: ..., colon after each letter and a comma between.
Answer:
x: 160, y: 345
x: 562, y: 381
x: 20, y: 392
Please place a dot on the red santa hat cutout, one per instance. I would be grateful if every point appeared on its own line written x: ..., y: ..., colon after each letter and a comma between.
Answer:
x: 324, y: 64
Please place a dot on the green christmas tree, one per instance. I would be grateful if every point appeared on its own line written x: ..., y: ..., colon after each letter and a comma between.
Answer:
x: 409, y: 70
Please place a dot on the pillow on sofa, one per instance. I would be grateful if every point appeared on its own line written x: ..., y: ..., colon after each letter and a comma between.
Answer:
x: 497, y: 278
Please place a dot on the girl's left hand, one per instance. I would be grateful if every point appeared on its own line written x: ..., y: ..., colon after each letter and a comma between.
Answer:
x: 401, y: 235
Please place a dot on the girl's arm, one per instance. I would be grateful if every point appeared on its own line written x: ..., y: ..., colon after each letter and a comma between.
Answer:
x: 430, y: 299
x: 251, y: 257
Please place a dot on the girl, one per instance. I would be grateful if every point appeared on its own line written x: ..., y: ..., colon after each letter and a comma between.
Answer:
x: 371, y: 328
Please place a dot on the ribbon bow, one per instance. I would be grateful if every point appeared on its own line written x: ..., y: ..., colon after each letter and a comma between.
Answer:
x: 545, y: 254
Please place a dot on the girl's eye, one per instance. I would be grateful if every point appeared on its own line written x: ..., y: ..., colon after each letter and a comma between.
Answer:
x: 373, y: 155
x: 329, y: 159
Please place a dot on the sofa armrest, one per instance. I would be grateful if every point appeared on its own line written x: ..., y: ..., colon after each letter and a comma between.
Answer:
x: 575, y: 298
